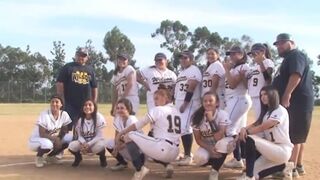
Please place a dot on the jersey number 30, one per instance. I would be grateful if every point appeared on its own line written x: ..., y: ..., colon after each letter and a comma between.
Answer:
x: 174, y: 124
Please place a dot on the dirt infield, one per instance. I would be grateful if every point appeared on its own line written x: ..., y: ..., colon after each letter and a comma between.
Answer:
x: 16, y: 160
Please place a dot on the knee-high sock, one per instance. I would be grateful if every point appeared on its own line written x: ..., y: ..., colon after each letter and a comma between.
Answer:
x: 119, y: 157
x: 187, y: 141
x: 137, y: 158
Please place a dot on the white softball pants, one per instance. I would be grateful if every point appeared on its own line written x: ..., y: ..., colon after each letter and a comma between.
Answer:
x: 237, y: 108
x: 110, y: 144
x: 158, y: 149
x: 186, y: 120
x: 45, y: 143
x: 271, y: 154
x: 95, y: 148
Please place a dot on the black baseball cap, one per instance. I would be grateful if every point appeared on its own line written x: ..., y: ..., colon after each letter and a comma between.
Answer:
x: 187, y: 54
x: 82, y: 50
x: 123, y: 55
x: 235, y: 49
x: 160, y: 55
x: 283, y: 37
x: 257, y: 47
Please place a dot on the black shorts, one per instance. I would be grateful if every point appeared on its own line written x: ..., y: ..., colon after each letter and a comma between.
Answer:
x: 299, y: 125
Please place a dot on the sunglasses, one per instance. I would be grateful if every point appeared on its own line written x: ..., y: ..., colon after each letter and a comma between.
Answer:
x: 157, y: 60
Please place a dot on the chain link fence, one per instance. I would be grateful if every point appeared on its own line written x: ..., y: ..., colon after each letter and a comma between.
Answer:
x: 26, y: 92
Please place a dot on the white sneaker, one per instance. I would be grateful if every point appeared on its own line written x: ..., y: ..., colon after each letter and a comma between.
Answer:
x: 185, y: 161
x: 53, y: 160
x: 138, y: 175
x: 39, y: 161
x: 214, y: 175
x: 60, y: 155
x: 245, y: 177
x: 119, y: 167
x: 287, y: 171
x: 233, y: 163
x: 169, y: 171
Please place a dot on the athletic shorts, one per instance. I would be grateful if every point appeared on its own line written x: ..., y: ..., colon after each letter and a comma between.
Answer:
x: 299, y: 125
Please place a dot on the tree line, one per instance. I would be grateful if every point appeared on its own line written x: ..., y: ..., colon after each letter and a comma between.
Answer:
x: 35, y: 70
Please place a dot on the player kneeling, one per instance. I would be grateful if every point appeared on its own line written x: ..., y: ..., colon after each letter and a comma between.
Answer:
x: 123, y: 119
x: 270, y: 153
x: 209, y: 127
x: 50, y: 133
x: 89, y: 132
x: 163, y: 147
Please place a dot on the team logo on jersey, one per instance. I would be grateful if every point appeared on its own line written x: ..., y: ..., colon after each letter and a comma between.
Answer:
x: 156, y: 80
x: 252, y: 73
x: 80, y: 77
x: 182, y: 78
x: 206, y: 74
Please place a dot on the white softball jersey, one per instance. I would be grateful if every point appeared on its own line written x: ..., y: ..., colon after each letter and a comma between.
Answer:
x: 207, y: 130
x: 119, y: 125
x: 220, y: 118
x: 275, y: 147
x: 87, y: 132
x: 255, y: 78
x: 278, y: 134
x: 241, y: 89
x: 190, y: 73
x: 120, y: 81
x: 238, y: 101
x: 53, y: 126
x: 215, y: 68
x: 166, y: 123
x: 154, y: 77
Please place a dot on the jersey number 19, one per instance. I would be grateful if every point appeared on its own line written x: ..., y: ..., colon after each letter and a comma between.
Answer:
x: 174, y: 124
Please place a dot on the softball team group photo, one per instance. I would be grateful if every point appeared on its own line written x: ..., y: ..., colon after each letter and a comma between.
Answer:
x: 206, y: 107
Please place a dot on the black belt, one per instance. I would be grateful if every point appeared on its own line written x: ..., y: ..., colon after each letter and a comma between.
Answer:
x: 171, y: 142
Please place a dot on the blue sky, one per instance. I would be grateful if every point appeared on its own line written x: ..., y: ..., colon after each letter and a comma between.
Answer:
x: 38, y: 23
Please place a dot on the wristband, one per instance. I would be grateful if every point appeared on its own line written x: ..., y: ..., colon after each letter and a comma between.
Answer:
x: 188, y: 96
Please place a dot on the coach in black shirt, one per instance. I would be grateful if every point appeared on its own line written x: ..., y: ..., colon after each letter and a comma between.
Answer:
x: 294, y: 84
x: 76, y: 82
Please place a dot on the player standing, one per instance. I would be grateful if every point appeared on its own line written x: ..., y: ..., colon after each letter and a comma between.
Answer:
x: 124, y: 83
x: 209, y: 128
x: 151, y: 77
x: 237, y: 99
x: 89, y: 134
x: 50, y: 133
x: 270, y: 153
x: 260, y: 75
x: 163, y: 147
x: 187, y: 100
x: 213, y: 77
x: 76, y: 83
x: 123, y: 119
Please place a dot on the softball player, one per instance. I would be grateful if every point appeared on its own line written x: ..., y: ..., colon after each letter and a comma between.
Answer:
x: 163, y: 147
x: 90, y: 135
x: 268, y: 154
x: 123, y: 119
x: 209, y: 127
x: 213, y: 77
x: 152, y: 76
x: 237, y: 99
x: 50, y: 133
x: 260, y: 75
x: 124, y: 83
x: 187, y: 100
